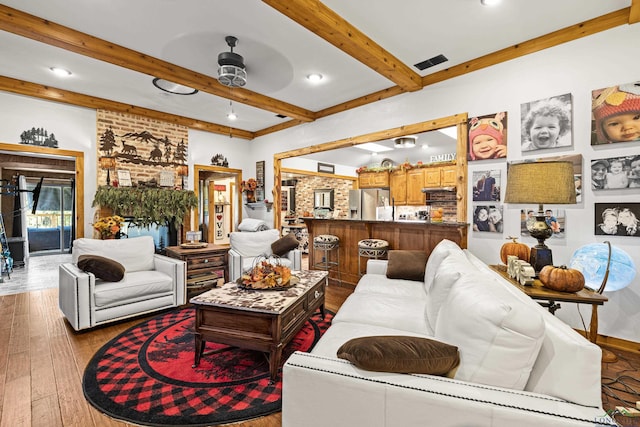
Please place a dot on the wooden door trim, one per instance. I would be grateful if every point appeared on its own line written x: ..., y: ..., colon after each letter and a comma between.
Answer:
x: 79, y: 173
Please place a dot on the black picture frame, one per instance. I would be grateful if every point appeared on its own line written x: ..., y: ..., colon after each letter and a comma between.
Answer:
x: 326, y: 168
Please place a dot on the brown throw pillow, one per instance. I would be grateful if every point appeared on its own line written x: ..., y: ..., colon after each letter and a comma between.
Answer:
x: 401, y: 354
x: 101, y: 267
x: 284, y: 244
x: 408, y: 265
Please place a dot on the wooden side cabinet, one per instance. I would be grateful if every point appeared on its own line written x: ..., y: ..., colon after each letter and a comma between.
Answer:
x: 398, y: 186
x: 207, y: 267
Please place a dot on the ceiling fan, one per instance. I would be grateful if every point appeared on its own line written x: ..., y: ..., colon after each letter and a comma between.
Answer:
x: 231, y: 69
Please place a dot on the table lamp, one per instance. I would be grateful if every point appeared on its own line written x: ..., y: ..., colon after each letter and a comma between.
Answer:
x: 605, y: 268
x: 107, y: 163
x: 541, y: 182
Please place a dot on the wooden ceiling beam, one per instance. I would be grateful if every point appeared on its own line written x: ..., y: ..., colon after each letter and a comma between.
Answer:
x: 634, y: 13
x: 41, y: 30
x: 324, y: 22
x: 48, y: 93
x: 574, y: 32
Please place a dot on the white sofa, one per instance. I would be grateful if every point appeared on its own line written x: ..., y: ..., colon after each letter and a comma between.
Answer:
x: 519, y: 365
x: 151, y: 282
x: 246, y: 246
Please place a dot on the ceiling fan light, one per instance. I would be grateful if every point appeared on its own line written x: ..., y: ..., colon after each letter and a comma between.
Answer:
x: 232, y: 116
x: 232, y: 76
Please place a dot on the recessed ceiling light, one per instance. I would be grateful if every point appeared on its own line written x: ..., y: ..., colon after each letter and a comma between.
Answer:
x: 372, y: 146
x: 60, y: 72
x: 175, y: 88
x: 315, y: 77
x: 489, y: 2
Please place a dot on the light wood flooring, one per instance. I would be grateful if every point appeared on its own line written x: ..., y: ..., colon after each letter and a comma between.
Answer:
x: 42, y: 360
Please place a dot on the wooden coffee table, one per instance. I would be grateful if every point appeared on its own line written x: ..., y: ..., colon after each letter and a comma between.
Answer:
x: 259, y: 320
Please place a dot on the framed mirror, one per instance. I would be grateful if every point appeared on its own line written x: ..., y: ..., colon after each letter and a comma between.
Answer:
x: 323, y: 198
x: 458, y: 145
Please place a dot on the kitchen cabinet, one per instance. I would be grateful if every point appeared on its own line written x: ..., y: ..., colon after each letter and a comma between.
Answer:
x: 448, y: 176
x: 441, y: 176
x: 373, y: 179
x: 398, y: 186
x: 415, y: 183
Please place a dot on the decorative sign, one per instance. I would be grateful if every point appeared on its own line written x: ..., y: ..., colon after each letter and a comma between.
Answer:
x: 447, y: 157
x: 39, y: 137
x: 260, y: 180
x: 124, y: 178
x: 166, y: 179
x: 326, y: 168
x: 219, y: 187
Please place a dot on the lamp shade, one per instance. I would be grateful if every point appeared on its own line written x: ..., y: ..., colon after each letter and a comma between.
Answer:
x: 541, y: 183
x: 592, y: 260
x: 405, y: 141
x: 182, y: 170
x: 107, y: 162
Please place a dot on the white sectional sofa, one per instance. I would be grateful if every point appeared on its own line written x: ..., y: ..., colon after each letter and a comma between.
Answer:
x: 151, y: 282
x: 519, y: 365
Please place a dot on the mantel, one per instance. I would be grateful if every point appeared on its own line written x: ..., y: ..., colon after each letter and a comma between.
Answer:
x: 147, y: 205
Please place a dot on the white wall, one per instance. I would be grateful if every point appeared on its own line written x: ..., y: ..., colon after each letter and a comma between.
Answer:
x: 73, y: 127
x: 576, y: 67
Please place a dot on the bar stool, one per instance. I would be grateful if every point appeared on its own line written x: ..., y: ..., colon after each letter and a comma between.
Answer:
x: 371, y: 248
x: 327, y: 243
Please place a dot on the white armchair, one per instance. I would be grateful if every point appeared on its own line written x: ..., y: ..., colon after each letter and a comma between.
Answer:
x: 151, y: 282
x: 246, y: 246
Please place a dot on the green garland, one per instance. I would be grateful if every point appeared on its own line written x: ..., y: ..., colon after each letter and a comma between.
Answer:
x: 147, y: 205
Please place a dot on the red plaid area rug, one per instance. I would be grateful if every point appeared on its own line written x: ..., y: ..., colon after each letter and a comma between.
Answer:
x: 145, y: 375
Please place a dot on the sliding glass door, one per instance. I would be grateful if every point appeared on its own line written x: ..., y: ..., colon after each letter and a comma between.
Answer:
x: 49, y: 227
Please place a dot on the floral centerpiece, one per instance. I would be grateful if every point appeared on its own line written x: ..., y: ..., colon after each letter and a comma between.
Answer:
x: 108, y: 227
x: 249, y: 187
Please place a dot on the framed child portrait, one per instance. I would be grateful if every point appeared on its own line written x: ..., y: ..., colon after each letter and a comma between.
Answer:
x: 617, y: 219
x: 615, y: 173
x: 488, y: 137
x: 487, y: 218
x: 615, y: 114
x: 546, y: 123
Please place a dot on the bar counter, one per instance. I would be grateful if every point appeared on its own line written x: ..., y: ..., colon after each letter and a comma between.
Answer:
x: 406, y: 235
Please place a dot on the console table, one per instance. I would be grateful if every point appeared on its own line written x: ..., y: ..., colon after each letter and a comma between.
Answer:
x: 207, y: 267
x: 550, y: 298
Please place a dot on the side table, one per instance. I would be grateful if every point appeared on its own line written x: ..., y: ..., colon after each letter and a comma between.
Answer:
x: 207, y: 267
x: 541, y: 294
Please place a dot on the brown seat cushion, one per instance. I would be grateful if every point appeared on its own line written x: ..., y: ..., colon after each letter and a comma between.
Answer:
x: 408, y: 265
x: 401, y: 354
x: 284, y: 244
x: 103, y: 268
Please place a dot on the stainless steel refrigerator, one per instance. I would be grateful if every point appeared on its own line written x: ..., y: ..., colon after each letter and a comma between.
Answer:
x: 363, y: 204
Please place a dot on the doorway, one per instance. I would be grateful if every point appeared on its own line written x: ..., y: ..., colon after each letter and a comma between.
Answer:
x: 49, y: 222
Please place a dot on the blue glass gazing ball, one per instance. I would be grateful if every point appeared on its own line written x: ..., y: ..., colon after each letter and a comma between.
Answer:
x: 591, y: 260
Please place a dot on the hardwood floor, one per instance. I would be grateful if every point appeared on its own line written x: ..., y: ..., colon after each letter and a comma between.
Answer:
x: 42, y: 361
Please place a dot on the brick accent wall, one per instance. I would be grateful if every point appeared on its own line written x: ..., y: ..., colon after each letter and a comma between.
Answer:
x: 306, y: 185
x: 143, y: 146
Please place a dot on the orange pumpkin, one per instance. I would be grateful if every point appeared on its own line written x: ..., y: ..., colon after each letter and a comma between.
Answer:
x: 516, y: 248
x: 561, y: 278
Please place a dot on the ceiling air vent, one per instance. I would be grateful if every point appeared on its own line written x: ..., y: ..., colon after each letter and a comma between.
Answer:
x: 431, y: 62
